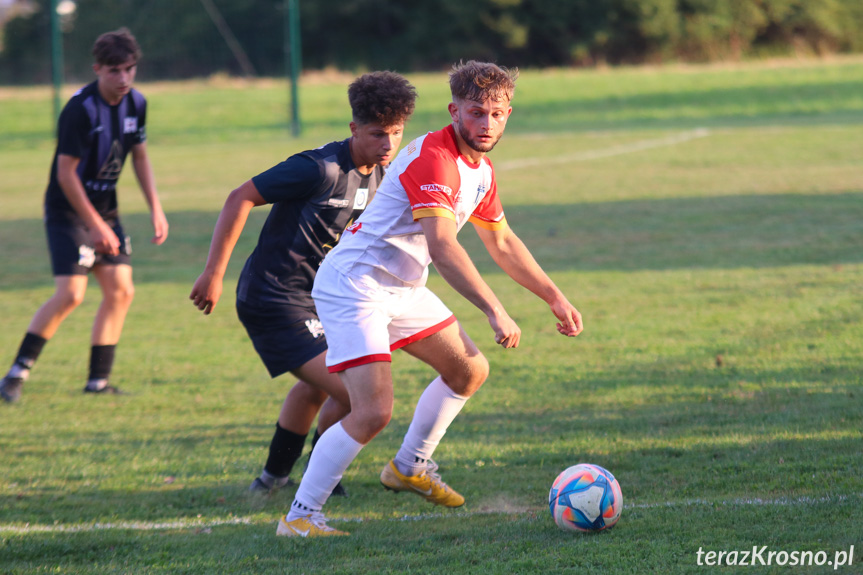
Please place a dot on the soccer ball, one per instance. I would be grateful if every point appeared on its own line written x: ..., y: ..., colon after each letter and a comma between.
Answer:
x: 585, y: 497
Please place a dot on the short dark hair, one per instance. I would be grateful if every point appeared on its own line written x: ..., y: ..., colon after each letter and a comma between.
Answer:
x: 383, y: 97
x: 480, y: 81
x: 114, y: 48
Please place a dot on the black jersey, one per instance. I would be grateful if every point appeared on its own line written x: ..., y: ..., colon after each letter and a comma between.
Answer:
x: 315, y: 194
x: 101, y: 136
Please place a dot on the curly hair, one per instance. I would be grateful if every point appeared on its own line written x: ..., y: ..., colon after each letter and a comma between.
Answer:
x: 115, y: 48
x: 480, y: 81
x: 383, y: 97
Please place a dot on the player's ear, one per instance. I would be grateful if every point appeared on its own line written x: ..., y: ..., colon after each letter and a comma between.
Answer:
x: 453, y: 111
x: 353, y: 126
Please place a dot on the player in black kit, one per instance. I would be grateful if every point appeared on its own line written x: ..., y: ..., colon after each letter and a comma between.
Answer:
x: 98, y: 127
x: 315, y: 194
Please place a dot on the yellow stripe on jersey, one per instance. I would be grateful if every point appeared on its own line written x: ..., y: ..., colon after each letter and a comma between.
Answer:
x: 433, y: 213
x: 489, y: 225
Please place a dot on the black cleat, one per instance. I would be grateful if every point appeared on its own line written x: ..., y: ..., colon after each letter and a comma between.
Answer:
x: 107, y: 390
x: 10, y: 388
x: 339, y: 490
x: 258, y: 486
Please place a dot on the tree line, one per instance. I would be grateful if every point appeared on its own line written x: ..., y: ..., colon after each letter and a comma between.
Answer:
x: 183, y: 38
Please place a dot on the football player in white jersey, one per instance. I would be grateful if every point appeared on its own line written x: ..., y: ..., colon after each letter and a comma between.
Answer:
x: 371, y: 297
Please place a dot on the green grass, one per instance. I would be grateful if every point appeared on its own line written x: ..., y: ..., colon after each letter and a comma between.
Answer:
x: 719, y: 375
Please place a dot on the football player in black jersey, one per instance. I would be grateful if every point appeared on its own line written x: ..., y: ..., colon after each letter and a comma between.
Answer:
x: 315, y: 195
x: 98, y: 127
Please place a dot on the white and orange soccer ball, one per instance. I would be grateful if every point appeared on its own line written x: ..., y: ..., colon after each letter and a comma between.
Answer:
x: 585, y: 497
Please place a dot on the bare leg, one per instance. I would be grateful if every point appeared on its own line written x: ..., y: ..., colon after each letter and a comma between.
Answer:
x: 117, y: 294
x: 298, y: 412
x: 68, y: 294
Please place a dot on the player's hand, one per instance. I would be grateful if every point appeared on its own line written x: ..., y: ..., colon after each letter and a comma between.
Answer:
x: 570, y: 319
x: 160, y: 227
x: 206, y: 293
x: 105, y: 241
x: 506, y: 331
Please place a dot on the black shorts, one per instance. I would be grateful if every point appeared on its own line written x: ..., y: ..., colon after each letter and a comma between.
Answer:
x: 285, y: 336
x: 72, y: 253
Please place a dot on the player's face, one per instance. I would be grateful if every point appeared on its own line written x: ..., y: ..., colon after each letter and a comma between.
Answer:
x: 375, y: 145
x: 116, y: 81
x: 480, y: 124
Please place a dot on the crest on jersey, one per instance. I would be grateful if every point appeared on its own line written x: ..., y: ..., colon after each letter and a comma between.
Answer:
x: 130, y: 125
x: 361, y: 199
x: 480, y: 192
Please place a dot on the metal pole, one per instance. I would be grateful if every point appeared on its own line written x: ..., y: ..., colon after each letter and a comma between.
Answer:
x: 56, y: 59
x: 293, y: 59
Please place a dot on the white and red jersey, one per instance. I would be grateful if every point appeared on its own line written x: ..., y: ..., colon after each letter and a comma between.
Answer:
x: 429, y: 178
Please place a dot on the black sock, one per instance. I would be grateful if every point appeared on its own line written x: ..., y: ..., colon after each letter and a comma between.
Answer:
x: 31, y: 347
x: 28, y: 353
x: 285, y: 448
x: 101, y: 361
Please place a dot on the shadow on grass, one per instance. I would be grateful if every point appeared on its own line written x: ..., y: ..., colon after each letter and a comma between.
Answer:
x: 756, y: 231
x: 721, y: 439
x: 825, y: 103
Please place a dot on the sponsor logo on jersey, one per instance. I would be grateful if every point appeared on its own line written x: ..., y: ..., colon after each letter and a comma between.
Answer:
x: 436, y: 188
x: 130, y: 125
x: 336, y: 203
x: 412, y: 147
x: 113, y: 164
x: 354, y: 228
x: 95, y: 186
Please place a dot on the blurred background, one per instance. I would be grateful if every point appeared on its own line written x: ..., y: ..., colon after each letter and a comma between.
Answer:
x: 199, y: 38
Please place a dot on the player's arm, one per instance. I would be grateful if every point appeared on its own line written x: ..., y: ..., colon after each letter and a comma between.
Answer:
x: 513, y: 257
x: 144, y: 173
x: 455, y: 266
x: 208, y: 288
x: 103, y: 237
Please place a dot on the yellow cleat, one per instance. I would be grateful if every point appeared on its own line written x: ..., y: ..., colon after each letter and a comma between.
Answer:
x: 312, y: 525
x: 427, y: 485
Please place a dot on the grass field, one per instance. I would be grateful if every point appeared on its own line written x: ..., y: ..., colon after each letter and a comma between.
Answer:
x: 707, y: 222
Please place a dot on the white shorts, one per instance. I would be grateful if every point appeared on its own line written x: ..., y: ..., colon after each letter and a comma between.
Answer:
x: 365, y: 321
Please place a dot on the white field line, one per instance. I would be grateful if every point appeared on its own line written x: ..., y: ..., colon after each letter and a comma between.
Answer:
x: 206, y: 524
x: 588, y: 155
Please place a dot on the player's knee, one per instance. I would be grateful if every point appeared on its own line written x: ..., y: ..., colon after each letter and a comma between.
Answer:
x: 69, y: 299
x: 303, y: 392
x: 470, y: 378
x: 374, y: 421
x: 122, y: 295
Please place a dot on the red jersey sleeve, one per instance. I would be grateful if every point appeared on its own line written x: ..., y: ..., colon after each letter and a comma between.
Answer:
x: 431, y: 183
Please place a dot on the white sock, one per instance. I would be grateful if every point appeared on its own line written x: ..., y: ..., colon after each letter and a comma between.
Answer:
x: 436, y: 409
x: 333, y: 453
x: 17, y: 370
x: 97, y: 384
